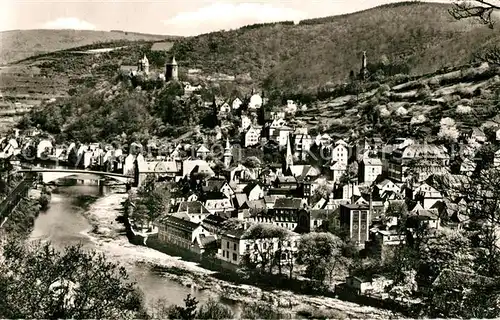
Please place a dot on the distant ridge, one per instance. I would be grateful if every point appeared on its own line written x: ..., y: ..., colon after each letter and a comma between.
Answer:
x: 21, y: 44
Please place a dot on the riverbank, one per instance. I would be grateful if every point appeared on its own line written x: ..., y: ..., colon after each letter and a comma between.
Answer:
x: 107, y: 233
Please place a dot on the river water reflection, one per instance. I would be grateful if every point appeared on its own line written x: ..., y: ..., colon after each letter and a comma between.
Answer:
x: 64, y: 224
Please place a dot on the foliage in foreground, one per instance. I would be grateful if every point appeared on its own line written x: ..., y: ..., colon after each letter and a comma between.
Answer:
x: 36, y: 281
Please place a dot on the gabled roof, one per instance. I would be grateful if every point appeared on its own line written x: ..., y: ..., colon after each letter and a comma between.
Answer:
x: 288, y: 203
x: 192, y: 207
x: 182, y: 224
x: 214, y: 220
x: 241, y: 198
x: 202, y: 149
x: 254, y: 206
x: 458, y: 280
x: 372, y: 162
x: 214, y: 184
x: 249, y: 187
x: 214, y: 195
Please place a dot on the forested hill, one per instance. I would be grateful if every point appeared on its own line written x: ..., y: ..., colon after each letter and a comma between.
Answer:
x: 22, y: 44
x: 413, y: 37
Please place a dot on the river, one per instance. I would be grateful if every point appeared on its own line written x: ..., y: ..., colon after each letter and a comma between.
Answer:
x: 65, y: 223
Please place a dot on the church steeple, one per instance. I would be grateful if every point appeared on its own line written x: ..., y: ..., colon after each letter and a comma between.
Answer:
x: 228, y: 155
x: 289, y: 155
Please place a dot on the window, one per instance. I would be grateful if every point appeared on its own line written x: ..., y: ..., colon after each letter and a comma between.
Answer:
x: 235, y: 247
x: 228, y: 244
x: 224, y: 253
x: 235, y: 257
x: 264, y: 245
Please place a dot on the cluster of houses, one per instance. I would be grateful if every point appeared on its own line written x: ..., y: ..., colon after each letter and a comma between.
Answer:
x: 400, y: 172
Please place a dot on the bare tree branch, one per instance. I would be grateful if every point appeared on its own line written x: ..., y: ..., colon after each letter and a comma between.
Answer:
x: 479, y: 9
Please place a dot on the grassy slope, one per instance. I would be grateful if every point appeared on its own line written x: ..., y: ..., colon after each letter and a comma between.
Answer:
x: 306, y: 56
x: 21, y: 44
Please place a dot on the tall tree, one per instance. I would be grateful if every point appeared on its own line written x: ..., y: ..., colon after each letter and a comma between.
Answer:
x: 321, y: 254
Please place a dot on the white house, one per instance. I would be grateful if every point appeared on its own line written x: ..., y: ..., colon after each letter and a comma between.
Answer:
x: 200, y: 166
x: 246, y: 122
x: 370, y: 169
x: 340, y: 152
x: 234, y: 246
x: 252, y: 136
x: 236, y: 103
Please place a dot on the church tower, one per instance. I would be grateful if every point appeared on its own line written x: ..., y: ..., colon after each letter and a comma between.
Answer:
x: 363, y: 74
x: 172, y: 71
x: 289, y: 155
x: 228, y: 156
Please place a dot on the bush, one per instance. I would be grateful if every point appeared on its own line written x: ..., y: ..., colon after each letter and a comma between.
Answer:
x: 463, y: 109
x: 44, y: 201
x: 260, y: 310
x: 213, y: 309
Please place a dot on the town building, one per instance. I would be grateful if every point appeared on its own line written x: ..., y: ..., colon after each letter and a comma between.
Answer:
x: 369, y: 170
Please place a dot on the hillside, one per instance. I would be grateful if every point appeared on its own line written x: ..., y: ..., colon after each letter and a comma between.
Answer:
x: 416, y: 37
x: 21, y: 44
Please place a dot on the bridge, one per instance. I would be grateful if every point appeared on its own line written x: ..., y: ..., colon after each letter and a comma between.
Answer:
x: 49, y: 175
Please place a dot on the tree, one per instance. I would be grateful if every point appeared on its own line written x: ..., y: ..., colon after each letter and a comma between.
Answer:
x: 213, y: 309
x: 448, y: 130
x: 188, y: 312
x: 152, y: 202
x: 261, y: 239
x: 321, y: 253
x: 36, y: 281
x: 260, y: 310
x: 480, y: 10
x: 350, y: 175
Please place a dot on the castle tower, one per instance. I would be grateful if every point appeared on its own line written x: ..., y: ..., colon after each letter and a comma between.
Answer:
x: 228, y: 156
x: 144, y: 65
x: 363, y: 74
x: 172, y: 71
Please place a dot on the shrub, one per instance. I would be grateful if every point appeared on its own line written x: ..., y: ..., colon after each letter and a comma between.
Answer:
x: 463, y: 109
x: 44, y: 201
x: 401, y: 111
x: 213, y: 309
x: 418, y: 119
x: 384, y: 113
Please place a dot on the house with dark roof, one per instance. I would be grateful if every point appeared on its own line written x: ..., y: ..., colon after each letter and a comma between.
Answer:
x: 195, y: 210
x: 181, y: 232
x: 253, y: 191
x: 218, y: 202
x: 251, y: 208
x: 218, y: 184
x: 213, y: 223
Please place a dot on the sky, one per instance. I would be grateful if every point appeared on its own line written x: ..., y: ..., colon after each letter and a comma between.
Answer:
x: 169, y: 17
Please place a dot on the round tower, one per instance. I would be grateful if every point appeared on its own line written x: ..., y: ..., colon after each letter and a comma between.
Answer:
x: 172, y: 70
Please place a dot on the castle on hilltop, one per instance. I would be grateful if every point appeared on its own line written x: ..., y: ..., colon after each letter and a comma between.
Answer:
x: 142, y: 67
